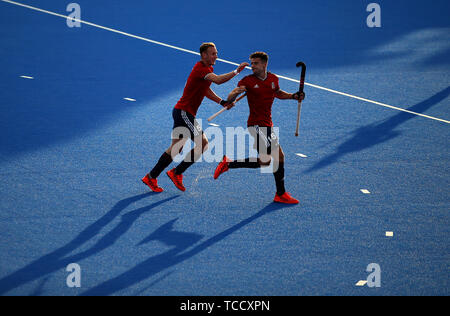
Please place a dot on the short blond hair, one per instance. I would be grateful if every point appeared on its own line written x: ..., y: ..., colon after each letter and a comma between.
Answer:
x: 204, y: 47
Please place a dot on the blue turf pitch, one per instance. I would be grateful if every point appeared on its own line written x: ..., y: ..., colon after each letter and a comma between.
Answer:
x: 73, y: 151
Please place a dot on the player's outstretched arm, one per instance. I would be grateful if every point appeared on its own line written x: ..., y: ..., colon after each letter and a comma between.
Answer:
x: 219, y: 79
x: 213, y: 96
x: 210, y: 94
x: 234, y: 94
x: 283, y: 95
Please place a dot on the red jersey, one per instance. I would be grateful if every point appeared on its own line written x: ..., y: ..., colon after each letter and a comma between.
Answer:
x: 260, y: 96
x: 195, y: 89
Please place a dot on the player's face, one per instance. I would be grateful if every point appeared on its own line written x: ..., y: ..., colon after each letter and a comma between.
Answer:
x: 210, y: 56
x: 258, y: 66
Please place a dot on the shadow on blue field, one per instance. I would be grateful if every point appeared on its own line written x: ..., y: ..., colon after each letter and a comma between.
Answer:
x: 374, y: 134
x: 180, y: 241
x: 58, y: 259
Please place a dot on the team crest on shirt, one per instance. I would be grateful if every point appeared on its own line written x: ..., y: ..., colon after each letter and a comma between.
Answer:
x: 273, y: 85
x: 256, y: 86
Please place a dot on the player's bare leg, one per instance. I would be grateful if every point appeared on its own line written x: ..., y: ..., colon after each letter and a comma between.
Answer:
x: 176, y: 147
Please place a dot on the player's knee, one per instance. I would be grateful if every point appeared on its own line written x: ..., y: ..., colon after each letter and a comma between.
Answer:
x: 205, y: 145
x: 201, y: 144
x: 171, y: 151
x: 279, y: 156
x: 176, y: 148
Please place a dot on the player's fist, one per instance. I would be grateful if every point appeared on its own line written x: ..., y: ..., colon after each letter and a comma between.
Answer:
x: 230, y: 105
x: 298, y: 96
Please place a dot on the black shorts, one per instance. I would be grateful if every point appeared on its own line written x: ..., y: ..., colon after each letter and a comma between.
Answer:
x: 265, y: 139
x: 185, y: 125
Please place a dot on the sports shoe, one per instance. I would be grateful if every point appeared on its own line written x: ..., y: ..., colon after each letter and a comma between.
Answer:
x: 222, y: 167
x: 152, y: 184
x: 177, y: 179
x: 286, y: 198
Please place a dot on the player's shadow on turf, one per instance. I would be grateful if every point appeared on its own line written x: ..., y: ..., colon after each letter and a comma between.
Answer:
x: 377, y: 133
x: 59, y: 259
x: 180, y: 241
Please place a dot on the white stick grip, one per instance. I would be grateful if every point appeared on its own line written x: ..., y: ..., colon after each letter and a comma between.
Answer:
x: 216, y: 115
x: 298, y: 117
x: 224, y: 109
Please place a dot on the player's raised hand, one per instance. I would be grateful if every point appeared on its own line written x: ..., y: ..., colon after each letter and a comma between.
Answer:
x: 241, y: 67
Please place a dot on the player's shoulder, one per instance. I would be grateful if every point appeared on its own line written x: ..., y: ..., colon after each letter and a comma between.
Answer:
x: 200, y: 70
x: 272, y: 76
x: 201, y: 66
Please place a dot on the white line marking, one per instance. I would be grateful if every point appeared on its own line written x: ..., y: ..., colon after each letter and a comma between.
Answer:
x: 221, y: 60
x: 102, y: 27
x: 27, y: 77
x: 301, y: 155
x: 361, y: 283
x: 365, y: 191
x: 130, y: 99
x: 369, y: 101
x: 213, y: 124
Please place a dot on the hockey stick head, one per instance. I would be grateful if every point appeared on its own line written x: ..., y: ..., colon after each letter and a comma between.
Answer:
x: 301, y: 64
x: 302, y: 85
x: 303, y: 74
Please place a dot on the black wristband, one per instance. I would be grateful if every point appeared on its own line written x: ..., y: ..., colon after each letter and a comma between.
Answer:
x: 223, y: 102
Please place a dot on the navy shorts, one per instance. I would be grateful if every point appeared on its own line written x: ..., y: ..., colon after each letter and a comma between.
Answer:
x: 185, y: 125
x: 265, y: 139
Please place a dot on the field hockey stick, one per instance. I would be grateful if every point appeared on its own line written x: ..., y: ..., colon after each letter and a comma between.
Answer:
x: 224, y: 109
x: 302, y: 85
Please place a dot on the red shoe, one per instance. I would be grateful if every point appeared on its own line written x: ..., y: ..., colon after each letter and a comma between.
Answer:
x: 152, y: 184
x: 222, y: 167
x: 286, y: 198
x: 177, y: 179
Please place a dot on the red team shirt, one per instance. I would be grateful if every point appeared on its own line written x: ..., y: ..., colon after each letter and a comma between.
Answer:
x: 195, y: 89
x: 260, y: 96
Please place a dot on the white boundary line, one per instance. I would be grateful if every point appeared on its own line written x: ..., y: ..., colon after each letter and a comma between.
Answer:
x: 369, y: 101
x: 221, y: 60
